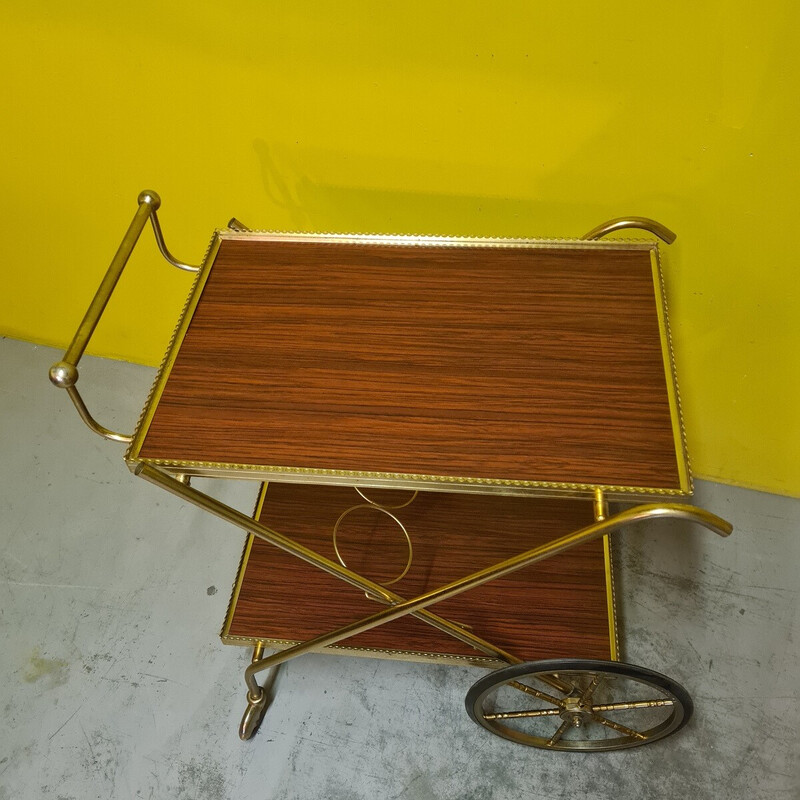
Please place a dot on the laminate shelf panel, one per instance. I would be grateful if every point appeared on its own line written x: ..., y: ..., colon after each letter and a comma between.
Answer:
x: 556, y: 608
x: 449, y: 366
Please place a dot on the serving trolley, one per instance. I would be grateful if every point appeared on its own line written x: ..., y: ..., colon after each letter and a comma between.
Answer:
x: 432, y: 421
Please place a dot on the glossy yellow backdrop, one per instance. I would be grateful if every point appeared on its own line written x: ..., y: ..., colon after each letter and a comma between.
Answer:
x: 506, y: 119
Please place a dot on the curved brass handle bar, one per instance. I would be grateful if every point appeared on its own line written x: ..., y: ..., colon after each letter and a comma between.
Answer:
x: 642, y: 223
x: 99, y: 429
x: 162, y: 246
x: 64, y: 373
x: 594, y: 531
x: 237, y: 225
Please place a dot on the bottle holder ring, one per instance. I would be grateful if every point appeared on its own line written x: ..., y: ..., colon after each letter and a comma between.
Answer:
x: 381, y: 510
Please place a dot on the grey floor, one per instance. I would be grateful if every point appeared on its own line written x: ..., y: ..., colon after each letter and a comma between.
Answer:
x: 113, y: 683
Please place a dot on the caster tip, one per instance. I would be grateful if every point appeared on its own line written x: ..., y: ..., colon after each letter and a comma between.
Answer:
x: 253, y: 715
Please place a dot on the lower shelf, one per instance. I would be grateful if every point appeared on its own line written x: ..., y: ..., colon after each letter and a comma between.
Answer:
x: 560, y: 608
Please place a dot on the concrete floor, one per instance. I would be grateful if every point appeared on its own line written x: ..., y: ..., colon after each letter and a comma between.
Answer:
x: 113, y: 683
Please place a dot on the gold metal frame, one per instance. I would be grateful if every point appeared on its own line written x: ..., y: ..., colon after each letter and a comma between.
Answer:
x: 64, y: 373
x: 380, y: 510
x: 446, y: 483
x: 641, y: 223
x: 396, y: 606
x: 406, y: 655
x: 174, y: 476
x: 673, y: 393
x: 280, y: 644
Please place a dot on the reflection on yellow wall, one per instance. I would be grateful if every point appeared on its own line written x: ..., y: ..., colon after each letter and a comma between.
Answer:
x: 511, y: 119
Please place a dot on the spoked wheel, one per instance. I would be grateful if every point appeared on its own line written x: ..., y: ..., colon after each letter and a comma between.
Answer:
x: 579, y: 705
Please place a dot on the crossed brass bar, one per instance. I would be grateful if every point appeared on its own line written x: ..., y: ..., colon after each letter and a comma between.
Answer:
x: 398, y: 607
x: 378, y: 592
x: 587, y: 534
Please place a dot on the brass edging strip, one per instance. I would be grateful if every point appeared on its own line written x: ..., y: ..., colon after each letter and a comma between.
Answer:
x: 236, y: 588
x: 178, y: 334
x: 398, y: 480
x: 671, y: 376
x: 245, y: 557
x: 370, y: 652
x: 611, y: 604
x: 410, y: 240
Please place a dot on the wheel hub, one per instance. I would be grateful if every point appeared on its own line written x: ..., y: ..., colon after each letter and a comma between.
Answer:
x: 574, y: 711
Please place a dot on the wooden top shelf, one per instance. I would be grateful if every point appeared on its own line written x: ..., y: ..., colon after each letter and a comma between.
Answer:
x: 458, y: 365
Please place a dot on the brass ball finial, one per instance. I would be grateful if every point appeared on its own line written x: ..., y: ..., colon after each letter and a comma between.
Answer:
x: 63, y: 375
x: 150, y: 197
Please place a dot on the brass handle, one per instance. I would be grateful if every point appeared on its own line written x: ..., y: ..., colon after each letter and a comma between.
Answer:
x: 238, y: 226
x: 64, y: 373
x: 642, y: 223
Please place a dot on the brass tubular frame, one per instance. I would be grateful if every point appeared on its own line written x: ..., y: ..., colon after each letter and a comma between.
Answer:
x: 398, y: 607
x: 641, y: 223
x: 237, y: 225
x: 64, y: 374
x: 382, y: 510
x: 560, y: 545
x: 600, y: 505
x: 375, y: 590
x: 101, y: 430
x: 148, y: 203
x: 162, y: 246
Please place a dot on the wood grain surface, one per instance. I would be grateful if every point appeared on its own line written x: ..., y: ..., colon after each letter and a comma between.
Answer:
x: 556, y: 608
x: 519, y: 364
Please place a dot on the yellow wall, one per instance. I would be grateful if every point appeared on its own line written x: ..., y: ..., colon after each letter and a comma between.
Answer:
x: 509, y: 119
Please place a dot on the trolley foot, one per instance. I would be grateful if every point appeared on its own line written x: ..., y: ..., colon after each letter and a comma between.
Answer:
x: 259, y: 698
x: 254, y: 713
x: 579, y: 705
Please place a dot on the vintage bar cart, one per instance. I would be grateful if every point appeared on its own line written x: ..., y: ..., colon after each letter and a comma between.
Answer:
x: 484, y: 398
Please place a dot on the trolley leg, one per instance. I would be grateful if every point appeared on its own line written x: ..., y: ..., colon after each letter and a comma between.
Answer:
x: 257, y: 702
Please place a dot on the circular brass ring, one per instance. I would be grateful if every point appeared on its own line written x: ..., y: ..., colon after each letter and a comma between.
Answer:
x: 380, y: 509
x: 383, y: 505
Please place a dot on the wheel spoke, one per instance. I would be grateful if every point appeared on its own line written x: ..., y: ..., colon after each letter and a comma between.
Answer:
x: 553, y: 680
x: 632, y: 704
x: 560, y: 732
x: 536, y: 693
x: 542, y: 712
x: 618, y: 728
x: 590, y: 689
